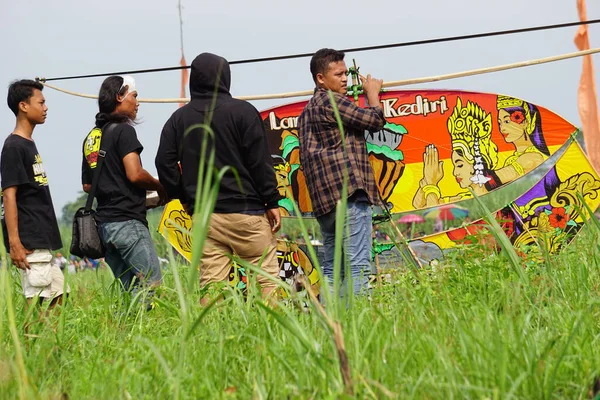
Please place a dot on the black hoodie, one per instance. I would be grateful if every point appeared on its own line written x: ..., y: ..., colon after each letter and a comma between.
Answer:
x: 239, y: 141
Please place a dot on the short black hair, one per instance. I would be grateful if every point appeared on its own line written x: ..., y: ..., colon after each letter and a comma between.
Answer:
x: 19, y: 91
x: 322, y: 58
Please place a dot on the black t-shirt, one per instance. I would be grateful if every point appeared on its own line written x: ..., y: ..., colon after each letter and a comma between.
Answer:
x: 118, y: 198
x: 21, y: 166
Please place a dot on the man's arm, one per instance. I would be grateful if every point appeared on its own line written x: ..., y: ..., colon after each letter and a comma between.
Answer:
x: 140, y: 177
x: 18, y: 253
x: 167, y: 161
x: 128, y: 148
x: 371, y: 118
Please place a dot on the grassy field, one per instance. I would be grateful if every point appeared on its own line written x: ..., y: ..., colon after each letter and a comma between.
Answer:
x: 469, y: 328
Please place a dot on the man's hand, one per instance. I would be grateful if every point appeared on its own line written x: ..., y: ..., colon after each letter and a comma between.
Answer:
x: 162, y: 195
x: 371, y: 87
x: 274, y: 219
x: 186, y: 208
x: 18, y: 255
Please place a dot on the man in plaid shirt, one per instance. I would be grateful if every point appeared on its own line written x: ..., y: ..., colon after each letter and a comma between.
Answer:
x: 324, y: 158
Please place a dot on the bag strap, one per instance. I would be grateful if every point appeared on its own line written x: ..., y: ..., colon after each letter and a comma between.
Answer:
x: 101, y: 155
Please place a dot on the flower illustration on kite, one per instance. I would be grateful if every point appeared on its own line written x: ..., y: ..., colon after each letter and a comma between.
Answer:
x: 558, y: 217
x: 517, y: 117
x: 551, y: 210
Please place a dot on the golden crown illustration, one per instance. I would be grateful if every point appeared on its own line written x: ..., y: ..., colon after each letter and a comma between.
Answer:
x: 470, y: 129
x: 508, y: 102
x: 283, y: 167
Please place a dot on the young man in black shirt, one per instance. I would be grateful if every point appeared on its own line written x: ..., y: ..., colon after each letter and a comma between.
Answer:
x: 29, y: 224
x: 122, y: 186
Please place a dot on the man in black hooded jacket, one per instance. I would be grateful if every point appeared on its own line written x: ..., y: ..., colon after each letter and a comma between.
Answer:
x: 246, y: 213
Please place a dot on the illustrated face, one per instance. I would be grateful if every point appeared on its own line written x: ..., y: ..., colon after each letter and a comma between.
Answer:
x: 36, y: 107
x: 283, y: 182
x: 336, y: 78
x: 511, y: 126
x: 463, y: 170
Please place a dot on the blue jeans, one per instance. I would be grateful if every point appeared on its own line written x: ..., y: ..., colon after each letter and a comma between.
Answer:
x: 130, y: 253
x: 356, y: 250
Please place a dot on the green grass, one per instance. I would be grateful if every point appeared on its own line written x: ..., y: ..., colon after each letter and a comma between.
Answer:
x: 470, y: 328
x: 475, y: 326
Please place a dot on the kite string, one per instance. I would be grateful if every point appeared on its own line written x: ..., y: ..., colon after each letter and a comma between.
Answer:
x: 389, y: 84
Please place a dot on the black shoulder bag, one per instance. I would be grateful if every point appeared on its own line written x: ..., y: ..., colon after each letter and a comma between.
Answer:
x: 85, y: 241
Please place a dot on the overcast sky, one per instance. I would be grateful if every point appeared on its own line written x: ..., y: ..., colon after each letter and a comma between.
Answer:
x: 71, y: 37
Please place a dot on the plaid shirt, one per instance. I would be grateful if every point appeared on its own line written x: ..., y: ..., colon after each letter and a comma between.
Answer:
x: 321, y: 152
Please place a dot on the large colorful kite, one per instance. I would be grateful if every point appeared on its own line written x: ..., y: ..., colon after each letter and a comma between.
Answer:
x: 440, y: 147
x: 435, y: 146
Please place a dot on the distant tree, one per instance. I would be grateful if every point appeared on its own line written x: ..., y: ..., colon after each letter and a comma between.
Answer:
x: 69, y: 209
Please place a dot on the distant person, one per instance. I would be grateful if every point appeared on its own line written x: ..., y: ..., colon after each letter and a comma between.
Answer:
x: 60, y: 260
x: 93, y: 263
x: 324, y: 159
x: 246, y: 215
x: 122, y: 186
x: 438, y: 225
x: 29, y: 224
x: 71, y: 267
x: 73, y: 260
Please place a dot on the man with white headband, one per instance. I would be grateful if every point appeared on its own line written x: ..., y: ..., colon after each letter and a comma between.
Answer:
x: 129, y: 85
x: 122, y: 186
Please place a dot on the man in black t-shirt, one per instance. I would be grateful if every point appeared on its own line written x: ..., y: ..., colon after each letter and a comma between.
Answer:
x: 119, y: 199
x: 122, y: 186
x: 30, y: 226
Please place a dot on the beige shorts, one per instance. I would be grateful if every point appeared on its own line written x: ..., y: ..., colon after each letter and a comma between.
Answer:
x: 43, y: 278
x: 247, y: 236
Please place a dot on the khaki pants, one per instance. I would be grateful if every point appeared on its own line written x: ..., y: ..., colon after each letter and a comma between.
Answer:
x: 246, y: 236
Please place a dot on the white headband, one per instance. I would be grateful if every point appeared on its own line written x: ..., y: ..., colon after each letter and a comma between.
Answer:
x: 130, y: 83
